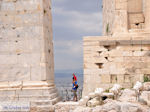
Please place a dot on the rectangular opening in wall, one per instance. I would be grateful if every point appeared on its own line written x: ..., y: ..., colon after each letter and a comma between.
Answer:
x: 114, y: 79
x: 127, y: 78
x: 100, y: 65
x: 146, y: 78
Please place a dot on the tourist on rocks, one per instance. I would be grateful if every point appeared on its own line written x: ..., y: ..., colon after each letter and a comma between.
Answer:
x: 74, y: 89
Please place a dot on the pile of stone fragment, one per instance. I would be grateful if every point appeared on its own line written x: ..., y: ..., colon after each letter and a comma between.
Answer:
x: 99, y: 96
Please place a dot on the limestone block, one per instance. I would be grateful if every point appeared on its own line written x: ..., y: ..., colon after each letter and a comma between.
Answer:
x: 4, y: 85
x: 94, y: 38
x: 37, y: 84
x: 124, y: 47
x: 120, y: 79
x: 24, y: 32
x: 136, y: 18
x: 116, y: 59
x: 125, y: 42
x: 27, y: 18
x: 12, y: 59
x: 37, y: 73
x: 107, y: 42
x: 132, y: 59
x: 7, y: 19
x: 121, y: 4
x: 145, y: 47
x: 147, y: 14
x: 145, y: 71
x: 120, y: 23
x: 19, y: 73
x: 95, y: 71
x: 16, y: 84
x: 145, y: 41
x: 25, y: 5
x: 99, y: 48
x: 27, y: 92
x: 145, y: 59
x: 134, y: 6
x: 136, y: 47
x: 115, y: 53
x: 29, y: 59
x: 4, y: 47
x: 136, y: 42
x: 134, y: 26
x: 104, y: 54
x: 138, y: 53
x: 35, y: 45
x: 105, y: 78
x: 117, y: 71
x: 89, y: 65
x: 7, y: 6
x: 127, y: 53
x: 91, y: 43
x: 100, y: 60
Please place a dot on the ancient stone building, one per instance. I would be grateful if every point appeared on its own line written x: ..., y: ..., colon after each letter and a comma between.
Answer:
x: 122, y: 54
x: 26, y: 52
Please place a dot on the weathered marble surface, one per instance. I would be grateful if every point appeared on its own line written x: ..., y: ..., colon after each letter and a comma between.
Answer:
x: 26, y: 51
x: 122, y: 54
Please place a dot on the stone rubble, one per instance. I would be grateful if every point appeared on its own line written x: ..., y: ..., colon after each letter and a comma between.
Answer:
x: 125, y: 102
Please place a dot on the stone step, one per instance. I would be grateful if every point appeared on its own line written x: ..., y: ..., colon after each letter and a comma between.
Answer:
x: 47, y: 101
x: 56, y: 100
x: 40, y: 97
x: 39, y: 103
x: 28, y: 97
x: 43, y: 108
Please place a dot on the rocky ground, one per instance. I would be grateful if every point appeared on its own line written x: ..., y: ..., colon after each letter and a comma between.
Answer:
x: 126, y: 100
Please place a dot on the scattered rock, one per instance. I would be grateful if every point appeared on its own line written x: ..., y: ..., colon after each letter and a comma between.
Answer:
x: 128, y: 95
x: 83, y: 109
x: 108, y: 95
x: 146, y: 86
x: 66, y: 106
x: 142, y: 101
x: 145, y: 96
x: 116, y: 90
x: 94, y: 102
x: 92, y: 95
x: 99, y: 101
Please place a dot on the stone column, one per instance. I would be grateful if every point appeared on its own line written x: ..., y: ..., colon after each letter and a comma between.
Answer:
x: 147, y: 14
x: 26, y: 52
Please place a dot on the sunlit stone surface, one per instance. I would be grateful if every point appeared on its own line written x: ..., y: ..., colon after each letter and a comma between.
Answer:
x: 122, y: 54
x: 26, y: 52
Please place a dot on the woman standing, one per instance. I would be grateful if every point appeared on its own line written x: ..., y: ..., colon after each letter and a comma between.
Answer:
x: 74, y: 89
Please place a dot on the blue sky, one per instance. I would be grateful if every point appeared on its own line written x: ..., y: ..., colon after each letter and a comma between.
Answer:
x: 73, y: 19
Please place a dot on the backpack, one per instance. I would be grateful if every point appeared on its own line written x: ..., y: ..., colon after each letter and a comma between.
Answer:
x: 77, y: 86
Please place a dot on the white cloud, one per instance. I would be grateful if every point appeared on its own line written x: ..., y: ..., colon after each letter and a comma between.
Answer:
x: 78, y: 21
x: 71, y: 47
x: 68, y: 55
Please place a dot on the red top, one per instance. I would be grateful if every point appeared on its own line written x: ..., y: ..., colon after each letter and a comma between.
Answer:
x: 75, y: 77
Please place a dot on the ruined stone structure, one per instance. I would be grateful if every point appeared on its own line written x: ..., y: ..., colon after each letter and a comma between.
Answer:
x: 122, y: 54
x: 26, y: 52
